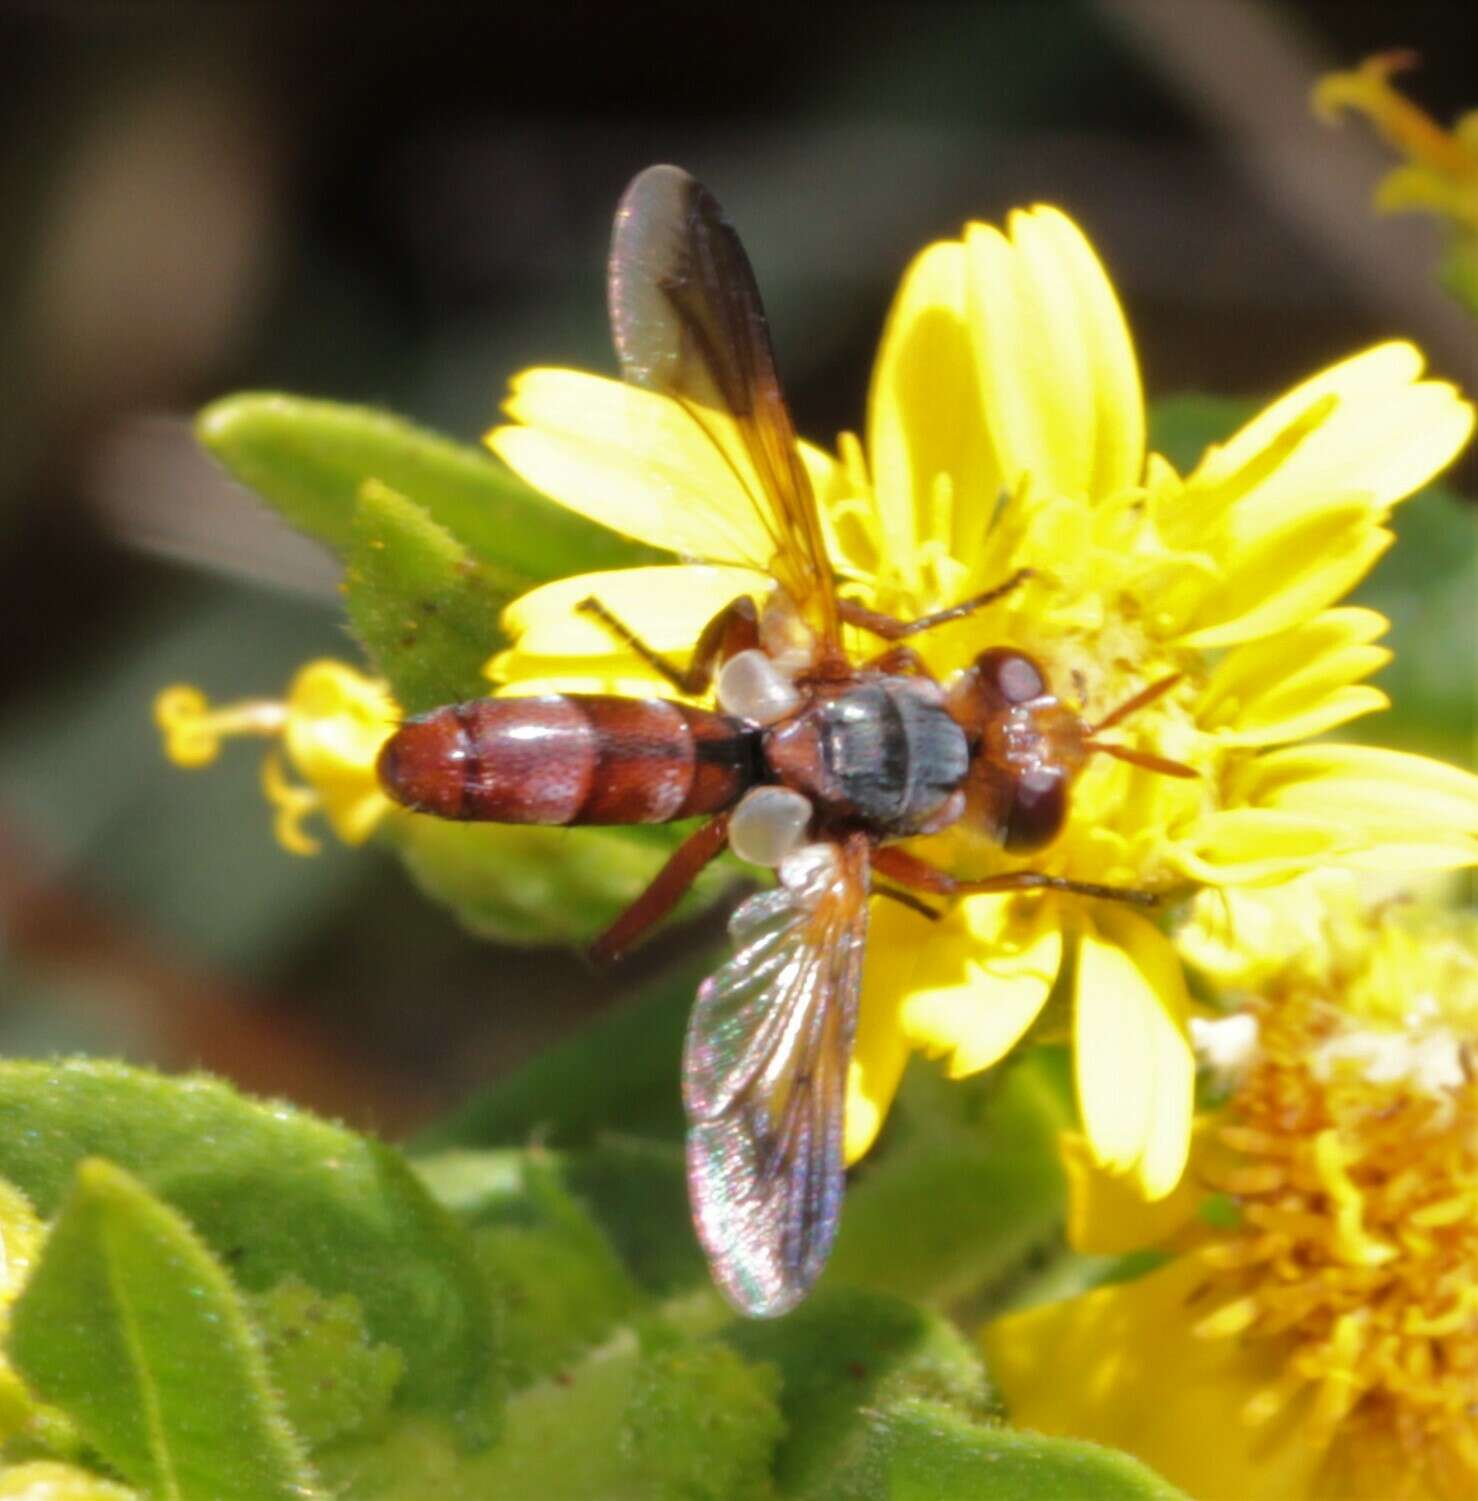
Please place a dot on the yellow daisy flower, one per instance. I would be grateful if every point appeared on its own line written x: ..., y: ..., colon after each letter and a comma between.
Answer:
x: 330, y: 728
x: 1440, y: 173
x: 1006, y: 430
x: 1313, y: 1335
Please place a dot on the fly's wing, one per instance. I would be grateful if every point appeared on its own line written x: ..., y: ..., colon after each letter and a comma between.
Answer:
x: 765, y: 1080
x: 688, y: 323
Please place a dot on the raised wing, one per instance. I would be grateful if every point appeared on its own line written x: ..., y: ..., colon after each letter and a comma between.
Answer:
x: 688, y: 322
x: 765, y: 1080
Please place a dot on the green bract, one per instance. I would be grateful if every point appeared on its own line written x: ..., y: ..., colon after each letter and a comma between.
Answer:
x: 235, y: 1299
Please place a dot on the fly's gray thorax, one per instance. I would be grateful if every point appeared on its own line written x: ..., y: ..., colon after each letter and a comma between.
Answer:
x: 884, y: 751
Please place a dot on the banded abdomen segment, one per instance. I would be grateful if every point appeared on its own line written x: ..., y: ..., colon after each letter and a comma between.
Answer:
x: 569, y: 759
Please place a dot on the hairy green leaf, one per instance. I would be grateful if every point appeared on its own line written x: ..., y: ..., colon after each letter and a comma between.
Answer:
x: 702, y: 1424
x: 558, y: 1280
x: 333, y: 1382
x: 522, y: 884
x: 133, y: 1328
x: 581, y: 1233
x: 923, y: 1451
x: 309, y: 459
x: 275, y: 1193
x: 845, y: 1354
x: 422, y: 608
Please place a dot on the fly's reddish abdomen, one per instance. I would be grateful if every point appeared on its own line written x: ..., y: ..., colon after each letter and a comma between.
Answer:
x: 569, y: 759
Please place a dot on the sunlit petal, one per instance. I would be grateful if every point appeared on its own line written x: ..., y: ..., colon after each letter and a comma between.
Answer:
x: 633, y: 461
x: 1108, y: 1215
x: 1056, y: 369
x: 924, y: 408
x: 896, y: 938
x: 1141, y: 1380
x: 1297, y: 683
x: 982, y: 982
x: 1385, y: 435
x: 666, y: 607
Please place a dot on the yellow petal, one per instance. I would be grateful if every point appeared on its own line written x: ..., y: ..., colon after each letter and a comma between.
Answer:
x: 1239, y: 939
x: 1121, y: 1366
x: 896, y: 937
x: 1244, y: 846
x: 667, y: 607
x: 1172, y: 1091
x: 337, y: 721
x: 633, y: 461
x: 1384, y: 436
x: 1055, y: 364
x: 1286, y: 572
x: 924, y: 414
x: 560, y: 649
x: 985, y: 975
x: 1135, y: 1071
x: 1297, y: 683
x: 1108, y: 1217
x: 1364, y: 788
x: 1112, y: 1052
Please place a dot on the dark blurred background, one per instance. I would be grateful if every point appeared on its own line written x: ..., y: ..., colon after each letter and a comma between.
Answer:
x: 403, y: 205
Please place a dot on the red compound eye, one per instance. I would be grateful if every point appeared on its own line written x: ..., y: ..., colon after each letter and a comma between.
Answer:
x: 1010, y: 674
x: 1038, y: 809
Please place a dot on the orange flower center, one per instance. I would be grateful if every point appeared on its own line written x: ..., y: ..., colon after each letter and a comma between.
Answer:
x: 1352, y: 1154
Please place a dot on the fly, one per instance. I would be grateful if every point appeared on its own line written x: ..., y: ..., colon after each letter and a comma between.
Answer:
x: 812, y: 764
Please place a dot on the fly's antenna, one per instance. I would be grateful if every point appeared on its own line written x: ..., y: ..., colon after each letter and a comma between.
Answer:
x: 1144, y: 697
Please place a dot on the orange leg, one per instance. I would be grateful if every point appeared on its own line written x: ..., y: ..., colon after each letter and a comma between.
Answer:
x: 734, y: 629
x: 683, y: 868
x: 890, y: 628
x: 908, y: 870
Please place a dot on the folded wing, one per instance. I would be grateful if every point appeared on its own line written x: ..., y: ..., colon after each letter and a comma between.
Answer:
x: 765, y: 1075
x: 688, y: 322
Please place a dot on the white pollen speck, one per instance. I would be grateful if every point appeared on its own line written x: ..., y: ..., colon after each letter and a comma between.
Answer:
x: 1226, y: 1045
x: 1432, y: 1063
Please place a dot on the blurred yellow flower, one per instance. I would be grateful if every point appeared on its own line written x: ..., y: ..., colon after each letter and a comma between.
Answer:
x: 330, y: 729
x: 1440, y: 174
x: 1006, y: 430
x: 1314, y: 1333
x: 21, y: 1236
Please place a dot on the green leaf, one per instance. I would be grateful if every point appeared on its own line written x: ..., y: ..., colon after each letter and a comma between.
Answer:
x: 1427, y: 586
x: 1457, y: 272
x: 522, y: 884
x: 1184, y: 426
x: 554, y: 1274
x: 22, y: 1235
x: 973, y: 1178
x: 845, y: 1354
x: 620, y: 1073
x: 703, y: 1425
x: 309, y: 459
x: 133, y: 1328
x: 333, y: 1382
x: 624, y: 1197
x: 638, y: 1192
x: 688, y: 1422
x: 275, y: 1193
x: 923, y: 1451
x: 423, y: 610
